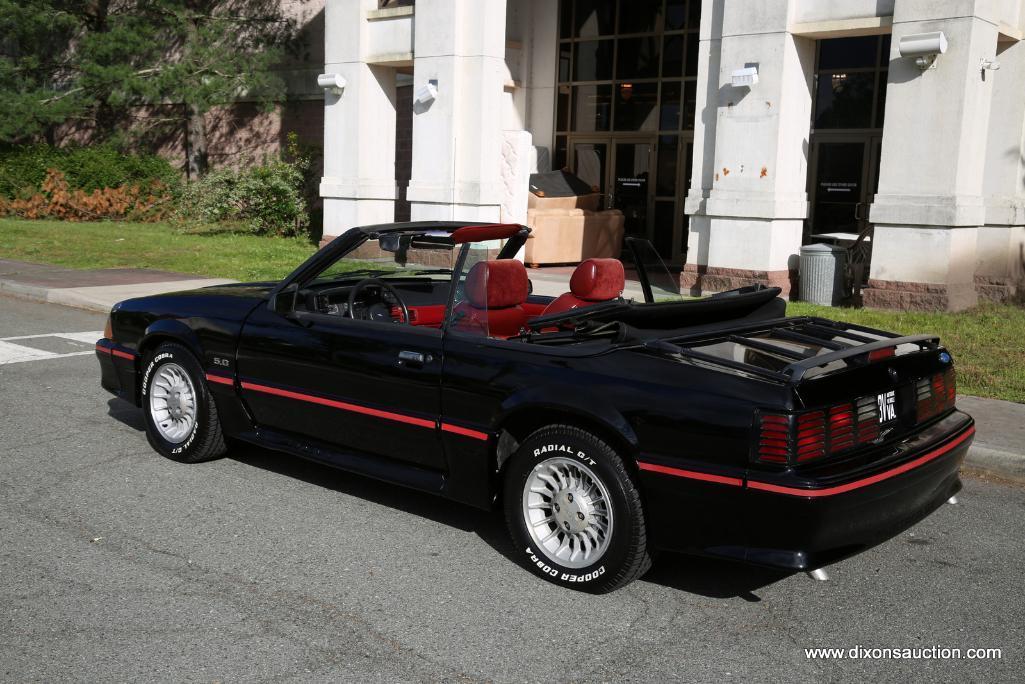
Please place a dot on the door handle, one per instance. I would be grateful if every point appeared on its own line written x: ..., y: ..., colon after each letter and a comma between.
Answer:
x: 413, y: 359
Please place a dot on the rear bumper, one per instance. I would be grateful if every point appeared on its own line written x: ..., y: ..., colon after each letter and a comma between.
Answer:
x: 799, y: 521
x: 801, y: 527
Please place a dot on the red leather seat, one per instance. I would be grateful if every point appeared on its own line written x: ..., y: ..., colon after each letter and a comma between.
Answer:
x: 494, y: 292
x: 594, y: 281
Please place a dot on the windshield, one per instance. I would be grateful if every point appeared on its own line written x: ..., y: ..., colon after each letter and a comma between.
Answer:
x: 393, y: 256
x: 656, y: 282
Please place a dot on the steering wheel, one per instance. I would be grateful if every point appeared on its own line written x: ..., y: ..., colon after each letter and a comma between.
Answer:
x: 384, y: 286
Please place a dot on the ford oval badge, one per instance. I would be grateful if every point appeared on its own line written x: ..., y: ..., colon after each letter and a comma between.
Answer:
x: 944, y: 357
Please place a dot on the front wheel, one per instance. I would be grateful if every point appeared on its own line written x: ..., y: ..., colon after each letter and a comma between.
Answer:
x: 181, y: 418
x: 574, y: 512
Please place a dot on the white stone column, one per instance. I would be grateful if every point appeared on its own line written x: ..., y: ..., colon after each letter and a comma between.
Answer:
x: 542, y: 49
x: 930, y: 205
x: 457, y: 138
x: 1000, y: 250
x: 358, y: 186
x: 752, y: 219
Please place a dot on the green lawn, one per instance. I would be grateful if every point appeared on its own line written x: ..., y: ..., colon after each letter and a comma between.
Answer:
x: 204, y: 251
x: 988, y: 343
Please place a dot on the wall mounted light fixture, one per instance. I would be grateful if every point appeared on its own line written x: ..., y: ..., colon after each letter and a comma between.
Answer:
x: 333, y: 83
x: 924, y: 47
x: 746, y: 77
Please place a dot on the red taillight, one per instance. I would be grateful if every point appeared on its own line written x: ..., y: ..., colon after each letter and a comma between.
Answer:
x: 884, y: 353
x: 935, y: 395
x: 811, y: 435
x: 841, y: 427
x: 774, y: 439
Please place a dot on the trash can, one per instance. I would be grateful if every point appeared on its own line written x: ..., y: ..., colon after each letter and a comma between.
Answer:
x: 822, y: 273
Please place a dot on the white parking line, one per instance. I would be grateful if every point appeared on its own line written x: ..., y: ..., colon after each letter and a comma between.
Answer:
x: 11, y: 352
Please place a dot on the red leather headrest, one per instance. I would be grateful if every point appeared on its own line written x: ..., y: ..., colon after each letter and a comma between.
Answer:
x: 496, y: 284
x: 598, y: 280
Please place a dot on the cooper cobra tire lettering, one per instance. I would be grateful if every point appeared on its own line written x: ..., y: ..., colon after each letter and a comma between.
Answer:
x: 621, y: 553
x: 205, y: 441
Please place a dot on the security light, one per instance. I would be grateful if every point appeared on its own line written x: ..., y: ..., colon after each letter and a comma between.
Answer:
x: 924, y: 47
x: 334, y: 83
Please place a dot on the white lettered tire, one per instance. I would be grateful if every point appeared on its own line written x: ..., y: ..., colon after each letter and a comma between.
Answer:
x: 574, y: 511
x: 181, y: 418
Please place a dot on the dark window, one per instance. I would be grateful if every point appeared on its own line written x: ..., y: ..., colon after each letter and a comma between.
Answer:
x: 639, y: 16
x: 848, y: 53
x: 665, y: 216
x: 844, y: 100
x: 690, y: 101
x: 565, y: 18
x: 638, y: 58
x: 562, y: 117
x: 635, y: 106
x: 592, y: 105
x: 881, y: 99
x: 676, y: 14
x: 564, y: 54
x: 594, y: 18
x: 672, y: 56
x: 691, y: 62
x: 665, y: 174
x: 669, y: 112
x: 560, y: 160
x: 592, y: 60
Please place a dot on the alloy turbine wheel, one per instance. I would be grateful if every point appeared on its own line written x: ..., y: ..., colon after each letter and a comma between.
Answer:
x: 172, y: 403
x: 568, y: 513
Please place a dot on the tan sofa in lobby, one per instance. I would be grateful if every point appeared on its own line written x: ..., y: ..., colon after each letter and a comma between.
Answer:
x: 568, y: 230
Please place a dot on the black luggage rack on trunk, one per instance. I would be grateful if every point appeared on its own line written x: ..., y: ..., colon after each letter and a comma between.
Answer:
x: 856, y: 344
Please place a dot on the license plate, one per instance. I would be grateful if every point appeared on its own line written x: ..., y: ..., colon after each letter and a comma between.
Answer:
x: 887, y: 402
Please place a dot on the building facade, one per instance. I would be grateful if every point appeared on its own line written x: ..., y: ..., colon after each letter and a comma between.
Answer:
x: 728, y: 132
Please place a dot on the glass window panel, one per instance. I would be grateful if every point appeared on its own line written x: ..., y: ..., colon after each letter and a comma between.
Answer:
x: 884, y: 54
x: 881, y: 99
x: 592, y: 61
x: 591, y: 162
x: 669, y: 108
x: 688, y: 161
x: 592, y: 108
x: 840, y: 53
x: 638, y: 58
x: 665, y: 173
x: 665, y: 216
x: 691, y: 62
x: 564, y: 52
x: 694, y: 14
x: 676, y: 14
x: 633, y: 173
x: 639, y: 16
x: 635, y: 106
x: 560, y: 161
x: 594, y: 18
x: 565, y: 18
x: 690, y: 102
x: 672, y: 56
x: 562, y: 113
x: 844, y: 100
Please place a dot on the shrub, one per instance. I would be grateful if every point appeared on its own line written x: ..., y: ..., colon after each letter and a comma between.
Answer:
x: 24, y: 169
x: 263, y: 199
x: 136, y: 202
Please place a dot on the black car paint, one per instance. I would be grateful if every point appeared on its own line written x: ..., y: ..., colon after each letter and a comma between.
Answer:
x: 475, y: 393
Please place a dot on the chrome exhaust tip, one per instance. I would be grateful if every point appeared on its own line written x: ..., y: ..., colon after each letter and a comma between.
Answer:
x: 819, y: 574
x: 952, y: 501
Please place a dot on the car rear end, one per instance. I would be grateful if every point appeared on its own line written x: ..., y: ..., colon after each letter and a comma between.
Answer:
x: 870, y: 443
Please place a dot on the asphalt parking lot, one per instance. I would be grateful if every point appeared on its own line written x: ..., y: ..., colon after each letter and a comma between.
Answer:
x: 116, y: 564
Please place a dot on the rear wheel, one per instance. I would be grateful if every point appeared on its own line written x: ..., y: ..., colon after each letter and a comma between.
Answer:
x: 181, y: 418
x: 574, y: 512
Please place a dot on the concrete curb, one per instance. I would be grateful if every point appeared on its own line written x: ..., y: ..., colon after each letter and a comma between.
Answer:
x: 1003, y: 464
x: 100, y: 298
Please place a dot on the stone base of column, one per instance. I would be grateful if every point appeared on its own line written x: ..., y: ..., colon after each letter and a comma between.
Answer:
x: 996, y: 289
x: 698, y: 280
x: 909, y: 296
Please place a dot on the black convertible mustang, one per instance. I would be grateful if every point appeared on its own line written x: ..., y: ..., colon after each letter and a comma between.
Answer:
x: 606, y: 427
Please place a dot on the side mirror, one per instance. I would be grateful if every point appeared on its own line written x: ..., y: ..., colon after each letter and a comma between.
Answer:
x: 283, y: 302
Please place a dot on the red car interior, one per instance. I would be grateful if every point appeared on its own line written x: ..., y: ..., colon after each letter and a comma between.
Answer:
x: 495, y: 292
x: 594, y: 281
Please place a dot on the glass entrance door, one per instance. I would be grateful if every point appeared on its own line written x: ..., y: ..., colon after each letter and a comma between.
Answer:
x: 846, y: 176
x: 631, y: 186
